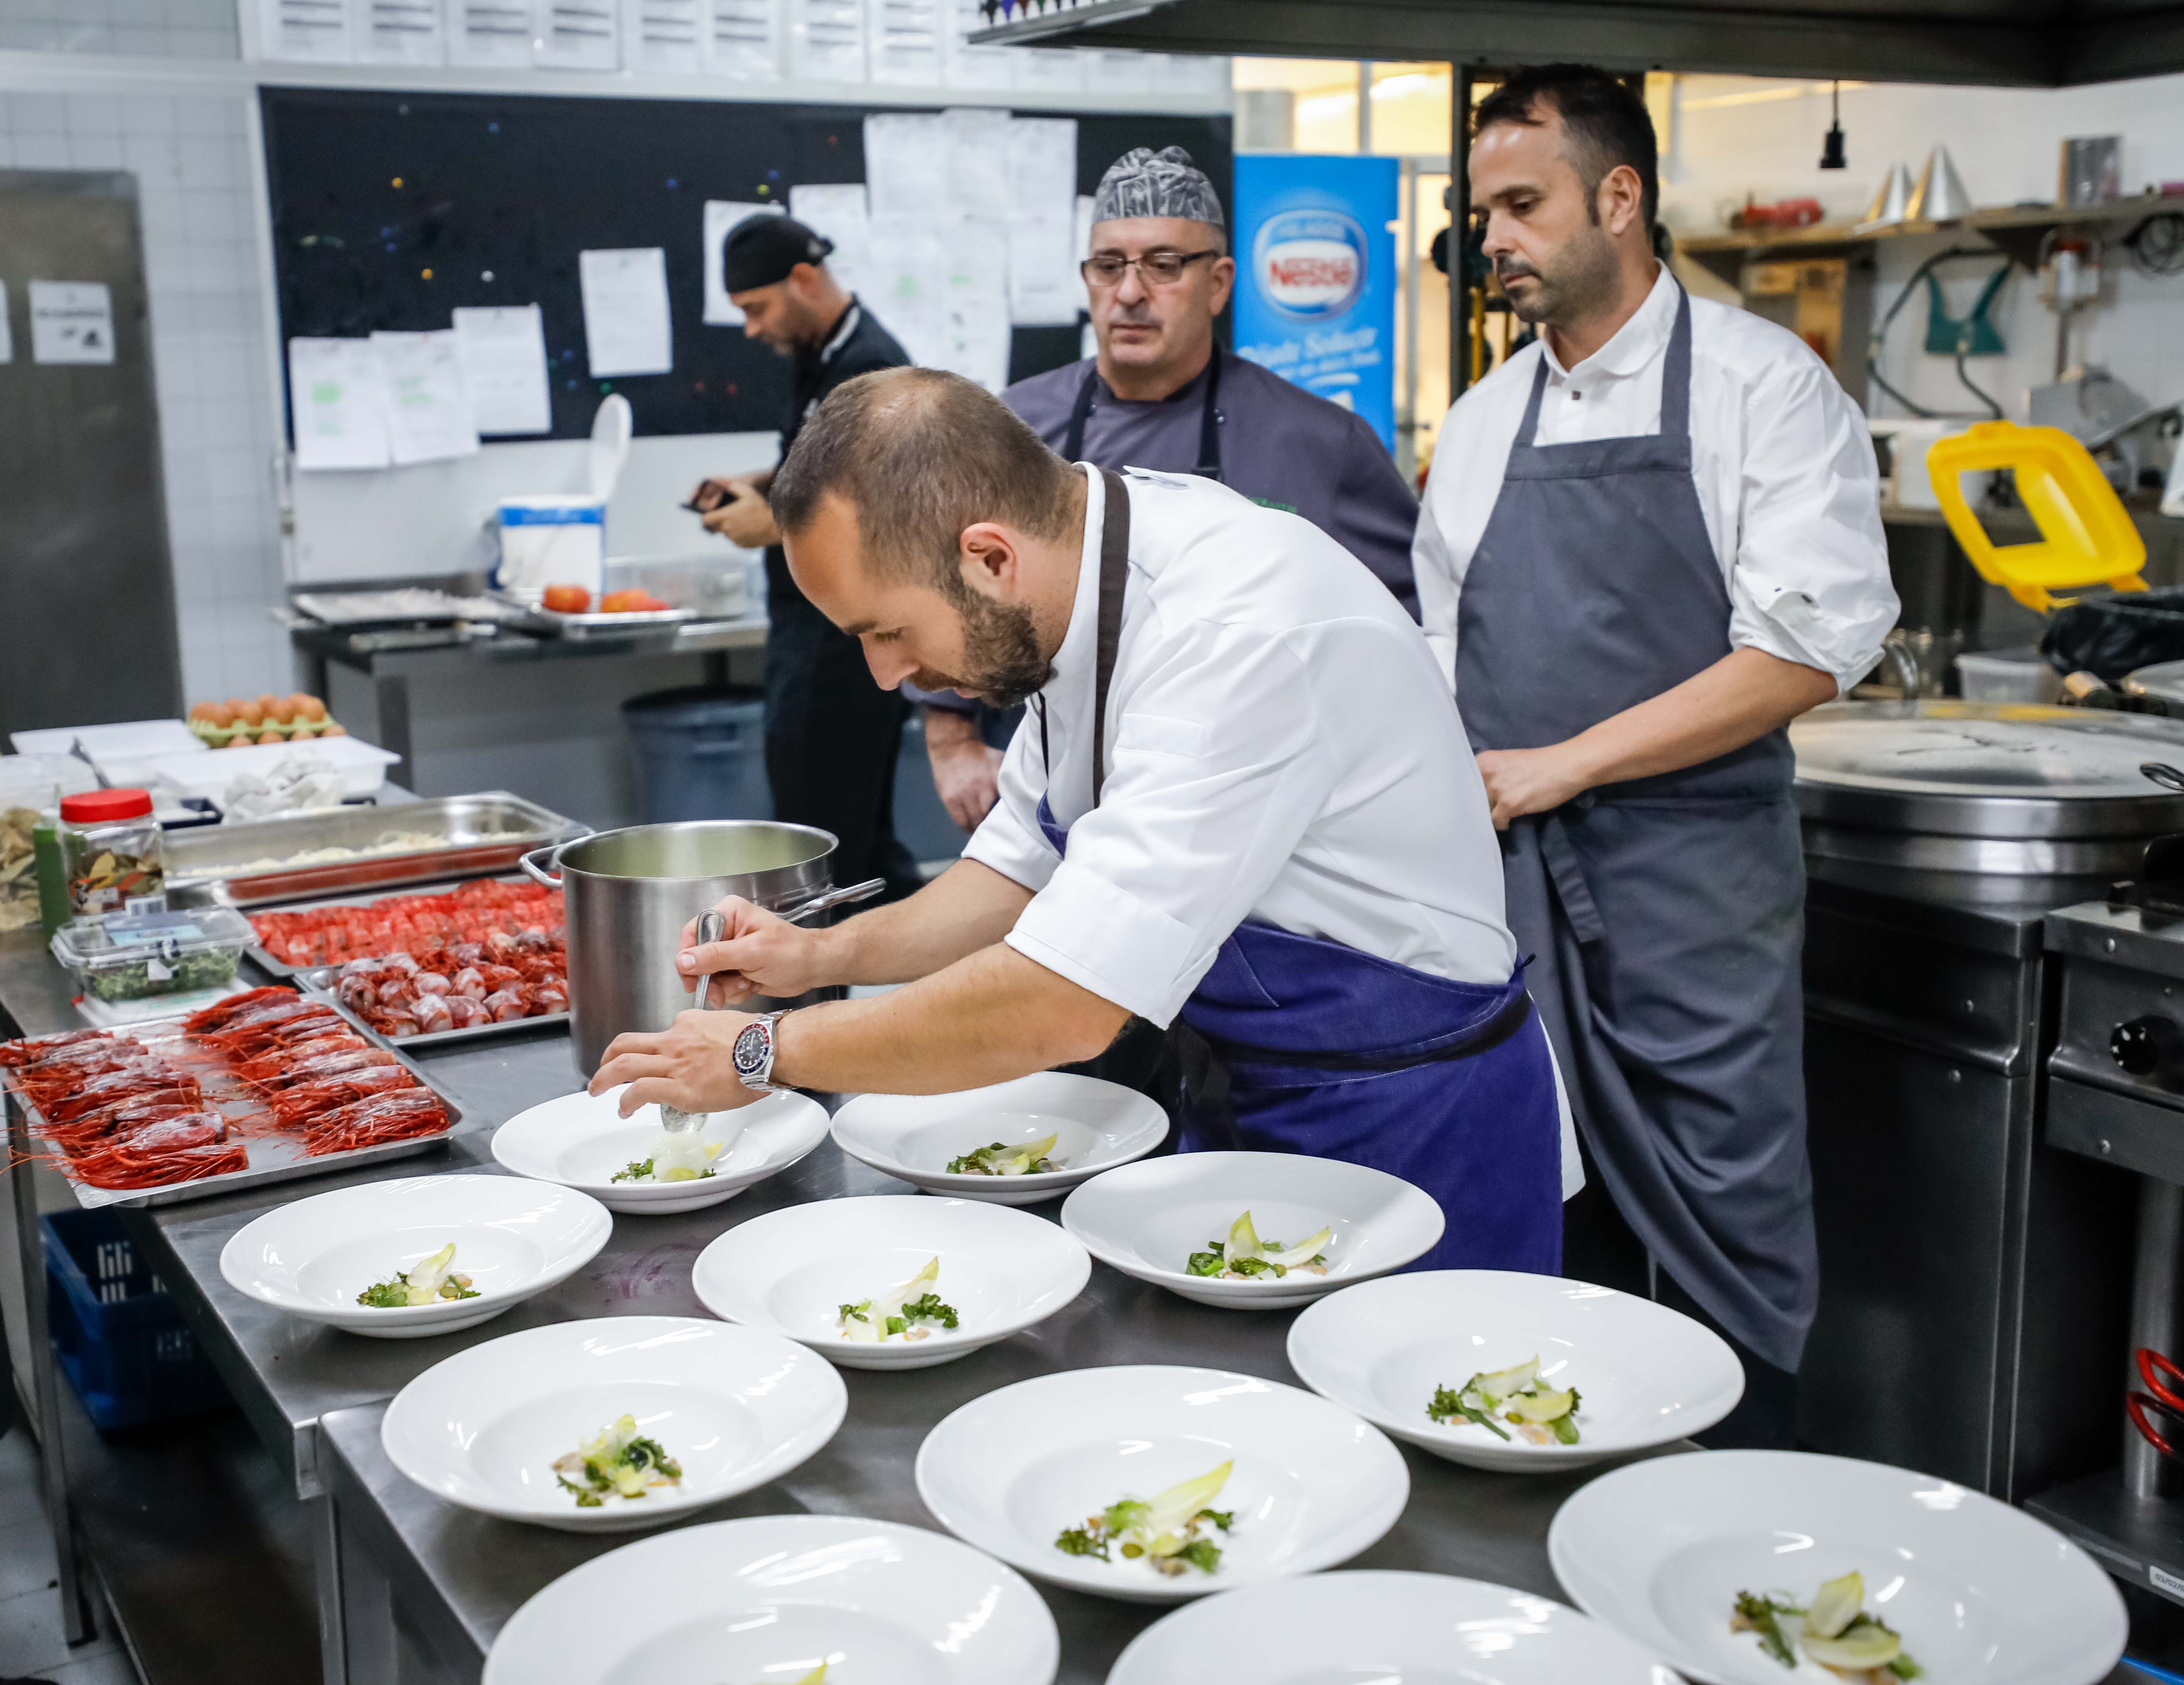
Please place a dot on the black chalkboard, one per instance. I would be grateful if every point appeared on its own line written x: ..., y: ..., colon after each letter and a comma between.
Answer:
x: 391, y: 209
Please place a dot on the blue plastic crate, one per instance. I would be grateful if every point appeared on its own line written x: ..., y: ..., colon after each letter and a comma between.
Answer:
x: 121, y: 1340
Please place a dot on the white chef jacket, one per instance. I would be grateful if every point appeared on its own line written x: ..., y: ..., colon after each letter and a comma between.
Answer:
x: 1280, y: 747
x: 1781, y: 458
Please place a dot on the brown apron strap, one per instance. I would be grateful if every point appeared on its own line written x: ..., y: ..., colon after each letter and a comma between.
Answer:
x: 1114, y: 575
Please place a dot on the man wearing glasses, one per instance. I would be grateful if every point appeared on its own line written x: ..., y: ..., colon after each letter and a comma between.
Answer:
x: 1163, y: 394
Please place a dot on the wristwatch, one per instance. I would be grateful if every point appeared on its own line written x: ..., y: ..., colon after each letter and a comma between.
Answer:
x: 754, y: 1055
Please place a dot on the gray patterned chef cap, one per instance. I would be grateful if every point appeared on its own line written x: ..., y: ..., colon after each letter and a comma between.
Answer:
x: 1143, y: 182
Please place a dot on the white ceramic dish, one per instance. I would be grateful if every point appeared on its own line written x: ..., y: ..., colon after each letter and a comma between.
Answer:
x: 1978, y: 1591
x: 1378, y: 1627
x: 766, y: 1601
x: 1646, y: 1374
x: 790, y: 1271
x: 735, y: 1407
x: 514, y: 1237
x: 914, y: 1137
x: 1147, y: 1219
x: 1313, y: 1485
x: 580, y: 1141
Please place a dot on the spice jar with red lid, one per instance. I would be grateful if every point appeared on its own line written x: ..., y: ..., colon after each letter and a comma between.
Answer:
x: 111, y: 853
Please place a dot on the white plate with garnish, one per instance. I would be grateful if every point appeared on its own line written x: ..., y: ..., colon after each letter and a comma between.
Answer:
x: 774, y: 1600
x: 527, y: 1426
x: 1446, y: 1358
x: 891, y: 1281
x: 583, y: 1141
x: 1970, y: 1588
x: 990, y: 1144
x: 323, y: 1257
x: 1382, y: 1627
x: 1175, y: 1222
x: 1227, y: 1478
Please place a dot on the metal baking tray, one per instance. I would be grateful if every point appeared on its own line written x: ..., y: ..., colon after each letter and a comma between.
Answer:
x: 553, y: 623
x: 318, y: 983
x: 273, y: 1158
x: 484, y: 833
x: 320, y: 976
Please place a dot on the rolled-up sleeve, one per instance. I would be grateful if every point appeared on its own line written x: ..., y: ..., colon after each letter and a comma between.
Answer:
x: 1810, y: 582
x: 1216, y: 773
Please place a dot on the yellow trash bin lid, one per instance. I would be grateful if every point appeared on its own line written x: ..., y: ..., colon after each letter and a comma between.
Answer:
x: 2087, y: 536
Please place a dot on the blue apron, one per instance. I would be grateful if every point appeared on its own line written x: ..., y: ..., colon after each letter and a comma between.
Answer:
x: 1296, y: 1044
x: 1666, y: 912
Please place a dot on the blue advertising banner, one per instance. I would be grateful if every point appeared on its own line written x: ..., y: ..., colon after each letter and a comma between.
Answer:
x: 1316, y: 276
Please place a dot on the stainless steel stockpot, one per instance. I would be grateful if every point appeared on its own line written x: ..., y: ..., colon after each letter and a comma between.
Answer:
x: 629, y: 893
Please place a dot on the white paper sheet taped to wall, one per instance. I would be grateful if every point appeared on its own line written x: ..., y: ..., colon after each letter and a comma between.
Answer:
x: 338, y: 404
x: 906, y: 165
x: 428, y: 403
x: 504, y: 359
x: 71, y: 321
x: 627, y: 327
x: 720, y: 216
x: 837, y: 211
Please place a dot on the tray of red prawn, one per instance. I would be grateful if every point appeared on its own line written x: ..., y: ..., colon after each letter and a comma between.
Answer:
x: 308, y: 939
x: 264, y: 1086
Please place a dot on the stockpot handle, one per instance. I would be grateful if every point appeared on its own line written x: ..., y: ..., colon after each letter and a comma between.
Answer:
x: 2168, y: 777
x: 553, y: 880
x: 834, y: 897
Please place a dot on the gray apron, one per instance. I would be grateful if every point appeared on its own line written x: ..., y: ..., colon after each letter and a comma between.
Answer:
x: 1666, y: 914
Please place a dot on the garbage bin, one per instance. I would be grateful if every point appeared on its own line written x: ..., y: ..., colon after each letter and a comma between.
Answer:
x: 698, y: 754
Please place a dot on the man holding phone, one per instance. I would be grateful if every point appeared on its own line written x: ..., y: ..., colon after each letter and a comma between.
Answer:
x: 832, y: 737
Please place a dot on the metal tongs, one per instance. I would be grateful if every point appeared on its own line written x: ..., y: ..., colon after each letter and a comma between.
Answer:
x: 711, y: 924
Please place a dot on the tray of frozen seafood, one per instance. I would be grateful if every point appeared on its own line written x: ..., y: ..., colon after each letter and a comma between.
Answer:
x: 481, y: 959
x: 264, y: 1086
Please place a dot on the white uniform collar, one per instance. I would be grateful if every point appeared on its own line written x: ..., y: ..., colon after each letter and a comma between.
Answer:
x: 1072, y: 662
x: 843, y: 330
x: 1631, y: 347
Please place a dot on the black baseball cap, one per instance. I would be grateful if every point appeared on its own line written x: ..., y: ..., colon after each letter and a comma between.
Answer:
x: 762, y: 248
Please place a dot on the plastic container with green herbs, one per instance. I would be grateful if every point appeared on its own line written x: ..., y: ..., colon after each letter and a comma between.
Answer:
x: 134, y: 957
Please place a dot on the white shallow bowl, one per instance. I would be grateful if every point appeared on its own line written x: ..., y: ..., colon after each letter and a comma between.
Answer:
x: 764, y: 1602
x: 1377, y: 1628
x: 735, y: 1406
x: 581, y: 1141
x: 1979, y: 1591
x: 1646, y: 1374
x: 513, y: 1238
x: 790, y: 1271
x: 1147, y: 1220
x: 1313, y: 1485
x: 914, y: 1137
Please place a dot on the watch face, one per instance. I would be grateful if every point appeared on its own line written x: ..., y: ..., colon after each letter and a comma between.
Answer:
x: 751, y: 1049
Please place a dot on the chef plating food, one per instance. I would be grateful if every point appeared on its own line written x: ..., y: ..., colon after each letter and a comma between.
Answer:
x: 1242, y: 808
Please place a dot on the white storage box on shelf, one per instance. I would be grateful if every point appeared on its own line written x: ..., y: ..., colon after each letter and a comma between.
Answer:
x: 122, y: 753
x: 363, y: 766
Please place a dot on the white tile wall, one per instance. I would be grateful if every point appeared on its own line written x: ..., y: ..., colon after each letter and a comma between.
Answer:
x: 189, y: 152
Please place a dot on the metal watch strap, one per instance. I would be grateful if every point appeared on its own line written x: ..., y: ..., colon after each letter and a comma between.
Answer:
x: 761, y: 1081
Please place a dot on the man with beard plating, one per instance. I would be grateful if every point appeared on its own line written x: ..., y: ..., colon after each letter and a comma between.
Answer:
x: 1649, y: 542
x: 1207, y: 821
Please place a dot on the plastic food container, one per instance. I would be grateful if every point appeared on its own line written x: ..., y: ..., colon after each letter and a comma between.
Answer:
x: 154, y: 953
x: 2019, y: 674
x: 362, y: 766
x: 552, y: 541
x: 111, y: 853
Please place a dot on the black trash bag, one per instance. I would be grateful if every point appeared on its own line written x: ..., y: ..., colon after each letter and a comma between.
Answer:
x: 2109, y: 636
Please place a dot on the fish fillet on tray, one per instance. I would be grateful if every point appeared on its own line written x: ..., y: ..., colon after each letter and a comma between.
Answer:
x: 258, y: 1088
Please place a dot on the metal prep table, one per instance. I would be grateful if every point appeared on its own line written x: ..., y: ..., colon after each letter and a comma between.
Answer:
x: 412, y: 1590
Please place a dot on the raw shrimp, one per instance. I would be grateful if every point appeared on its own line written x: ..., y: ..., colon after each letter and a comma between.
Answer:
x: 379, y: 1118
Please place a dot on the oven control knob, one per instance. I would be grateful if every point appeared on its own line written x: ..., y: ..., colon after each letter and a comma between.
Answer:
x: 2144, y: 1047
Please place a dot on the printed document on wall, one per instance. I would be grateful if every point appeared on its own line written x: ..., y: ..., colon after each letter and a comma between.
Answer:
x: 503, y: 357
x: 306, y: 32
x: 906, y: 165
x: 837, y: 211
x: 338, y: 401
x: 975, y: 67
x: 428, y: 406
x: 746, y: 40
x: 71, y: 321
x: 1042, y: 164
x: 908, y: 290
x: 490, y: 34
x: 977, y: 252
x: 977, y: 139
x: 627, y: 327
x: 720, y: 216
x: 827, y: 39
x: 401, y: 32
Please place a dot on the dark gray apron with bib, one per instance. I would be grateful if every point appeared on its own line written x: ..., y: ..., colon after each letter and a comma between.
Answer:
x: 1666, y: 914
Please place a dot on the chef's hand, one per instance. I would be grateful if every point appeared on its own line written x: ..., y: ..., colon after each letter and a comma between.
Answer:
x: 691, y: 1066
x: 965, y: 772
x: 741, y: 515
x: 1520, y: 782
x: 757, y: 953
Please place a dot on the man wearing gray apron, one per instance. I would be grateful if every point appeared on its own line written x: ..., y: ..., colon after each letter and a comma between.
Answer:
x: 1680, y: 553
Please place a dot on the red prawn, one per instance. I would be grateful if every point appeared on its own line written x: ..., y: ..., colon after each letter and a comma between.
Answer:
x: 377, y: 1118
x: 222, y: 1013
x: 139, y: 1087
x: 298, y: 1105
x: 125, y: 1164
x: 27, y: 1052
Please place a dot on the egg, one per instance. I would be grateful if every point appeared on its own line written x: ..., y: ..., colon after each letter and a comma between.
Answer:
x: 267, y: 701
x: 240, y: 739
x: 309, y: 706
x: 271, y: 738
x: 218, y: 714
x: 333, y: 730
x: 283, y: 710
x: 246, y: 713
x: 200, y: 711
